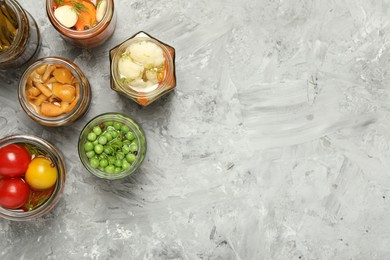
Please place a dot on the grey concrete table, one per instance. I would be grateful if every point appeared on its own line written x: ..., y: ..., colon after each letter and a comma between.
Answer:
x: 275, y: 144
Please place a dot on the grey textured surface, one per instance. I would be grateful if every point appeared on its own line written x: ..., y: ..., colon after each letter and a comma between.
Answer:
x: 275, y: 144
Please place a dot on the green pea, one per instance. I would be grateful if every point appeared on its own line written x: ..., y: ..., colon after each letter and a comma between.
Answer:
x: 108, y: 136
x: 118, y: 163
x: 130, y: 158
x: 102, y: 140
x: 125, y: 165
x: 95, y: 142
x: 97, y: 130
x: 133, y: 147
x: 90, y: 154
x: 125, y: 129
x: 110, y: 128
x: 135, y: 141
x: 103, y: 163
x: 94, y: 163
x: 91, y: 137
x: 130, y: 136
x: 114, y: 134
x: 117, y: 170
x: 120, y: 155
x: 109, y: 169
x: 102, y: 157
x: 125, y: 149
x: 88, y: 146
x: 108, y: 150
x: 117, y: 125
x: 98, y: 148
x: 109, y: 123
x: 111, y: 160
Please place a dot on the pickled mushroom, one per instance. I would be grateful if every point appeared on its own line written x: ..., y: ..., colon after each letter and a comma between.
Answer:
x: 52, y: 90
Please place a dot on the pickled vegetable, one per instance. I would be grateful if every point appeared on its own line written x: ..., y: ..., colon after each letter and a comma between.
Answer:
x: 8, y: 26
x: 29, y: 179
x: 111, y: 147
x: 52, y: 90
x: 79, y: 15
x: 142, y: 66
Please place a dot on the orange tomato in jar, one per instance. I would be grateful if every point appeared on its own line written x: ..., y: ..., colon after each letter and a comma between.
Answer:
x: 41, y: 174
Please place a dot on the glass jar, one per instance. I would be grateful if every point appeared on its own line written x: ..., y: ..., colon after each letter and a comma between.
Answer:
x: 58, y: 161
x: 27, y: 41
x: 143, y: 98
x: 82, y: 88
x: 101, y: 120
x: 92, y: 37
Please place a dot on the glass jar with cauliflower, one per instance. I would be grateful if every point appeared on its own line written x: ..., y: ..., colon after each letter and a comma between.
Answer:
x: 142, y: 68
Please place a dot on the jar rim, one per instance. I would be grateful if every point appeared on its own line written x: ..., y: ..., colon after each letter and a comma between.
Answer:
x: 56, y: 156
x: 85, y: 34
x: 118, y: 50
x: 62, y: 119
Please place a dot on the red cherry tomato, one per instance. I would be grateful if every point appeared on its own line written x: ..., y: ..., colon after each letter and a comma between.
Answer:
x: 14, y: 161
x: 14, y: 193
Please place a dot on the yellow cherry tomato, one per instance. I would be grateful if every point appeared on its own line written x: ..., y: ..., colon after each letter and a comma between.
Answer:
x: 41, y: 174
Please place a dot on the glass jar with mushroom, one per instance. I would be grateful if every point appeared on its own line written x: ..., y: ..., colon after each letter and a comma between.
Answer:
x: 83, y: 23
x: 19, y: 35
x: 53, y: 91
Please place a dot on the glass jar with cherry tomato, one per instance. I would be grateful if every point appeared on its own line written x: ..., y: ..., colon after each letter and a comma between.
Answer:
x: 32, y: 177
x: 83, y: 23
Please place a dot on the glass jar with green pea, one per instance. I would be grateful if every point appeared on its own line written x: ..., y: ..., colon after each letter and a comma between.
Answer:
x: 112, y: 146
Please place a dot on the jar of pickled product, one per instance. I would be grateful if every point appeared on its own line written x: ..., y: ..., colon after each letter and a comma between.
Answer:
x: 143, y: 68
x: 39, y: 202
x: 112, y: 146
x: 83, y: 23
x: 53, y: 91
x: 19, y: 38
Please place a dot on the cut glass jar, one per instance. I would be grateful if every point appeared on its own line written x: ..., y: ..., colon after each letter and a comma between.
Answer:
x: 143, y: 96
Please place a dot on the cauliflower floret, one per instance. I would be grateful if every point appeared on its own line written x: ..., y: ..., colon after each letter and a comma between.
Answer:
x: 129, y: 69
x: 146, y: 53
x: 151, y: 75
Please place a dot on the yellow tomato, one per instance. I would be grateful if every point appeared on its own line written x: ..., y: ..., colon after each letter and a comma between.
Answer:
x: 41, y: 174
